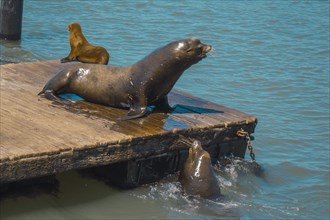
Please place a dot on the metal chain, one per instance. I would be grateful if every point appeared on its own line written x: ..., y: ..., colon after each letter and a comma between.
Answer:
x: 242, y: 133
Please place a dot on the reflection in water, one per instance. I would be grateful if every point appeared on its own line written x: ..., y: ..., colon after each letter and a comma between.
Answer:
x: 12, y: 52
x: 30, y: 188
x: 79, y: 191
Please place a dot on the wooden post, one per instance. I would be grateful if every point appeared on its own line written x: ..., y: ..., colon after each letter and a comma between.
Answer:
x: 11, y: 12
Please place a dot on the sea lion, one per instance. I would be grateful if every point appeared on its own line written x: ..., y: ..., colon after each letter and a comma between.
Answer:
x: 83, y: 51
x: 197, y: 176
x: 146, y: 82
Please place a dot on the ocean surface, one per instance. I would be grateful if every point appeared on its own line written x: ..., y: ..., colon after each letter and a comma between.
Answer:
x: 271, y: 60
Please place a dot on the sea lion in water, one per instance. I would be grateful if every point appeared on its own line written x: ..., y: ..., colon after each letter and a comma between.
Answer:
x: 146, y: 82
x: 83, y: 51
x: 197, y: 176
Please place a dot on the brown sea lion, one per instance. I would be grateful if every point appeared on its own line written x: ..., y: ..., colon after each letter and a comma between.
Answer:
x: 83, y: 51
x: 146, y: 82
x: 197, y: 176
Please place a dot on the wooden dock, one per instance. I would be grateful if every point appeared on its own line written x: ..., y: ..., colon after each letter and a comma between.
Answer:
x: 39, y: 137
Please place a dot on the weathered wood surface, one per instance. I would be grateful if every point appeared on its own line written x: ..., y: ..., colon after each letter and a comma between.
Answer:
x: 39, y: 137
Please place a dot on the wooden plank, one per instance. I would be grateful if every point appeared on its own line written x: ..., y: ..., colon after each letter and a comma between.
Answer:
x: 39, y: 137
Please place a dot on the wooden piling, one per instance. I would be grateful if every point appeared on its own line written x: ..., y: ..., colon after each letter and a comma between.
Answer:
x: 11, y: 12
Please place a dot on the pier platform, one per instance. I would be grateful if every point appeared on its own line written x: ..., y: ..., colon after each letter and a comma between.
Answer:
x: 40, y: 138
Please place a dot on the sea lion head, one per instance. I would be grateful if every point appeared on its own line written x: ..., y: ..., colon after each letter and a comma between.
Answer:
x: 190, y: 49
x: 197, y: 158
x: 74, y: 27
x: 162, y: 68
x: 198, y: 154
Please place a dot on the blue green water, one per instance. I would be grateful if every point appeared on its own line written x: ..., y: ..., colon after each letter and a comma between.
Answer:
x: 271, y: 60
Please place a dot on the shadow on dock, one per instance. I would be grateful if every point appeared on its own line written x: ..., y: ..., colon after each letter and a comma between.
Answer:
x: 160, y: 122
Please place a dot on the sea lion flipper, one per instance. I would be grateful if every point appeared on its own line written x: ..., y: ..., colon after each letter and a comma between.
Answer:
x: 69, y: 58
x: 64, y: 60
x: 135, y: 112
x: 163, y: 105
x: 49, y: 94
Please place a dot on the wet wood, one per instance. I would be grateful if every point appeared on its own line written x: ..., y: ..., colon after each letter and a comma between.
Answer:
x: 39, y: 137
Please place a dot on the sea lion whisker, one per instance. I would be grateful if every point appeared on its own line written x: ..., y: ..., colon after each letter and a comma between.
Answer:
x: 212, y: 52
x: 184, y: 142
x: 191, y: 139
x: 185, y: 138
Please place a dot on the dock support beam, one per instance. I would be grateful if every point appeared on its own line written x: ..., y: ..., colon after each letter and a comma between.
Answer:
x: 11, y: 12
